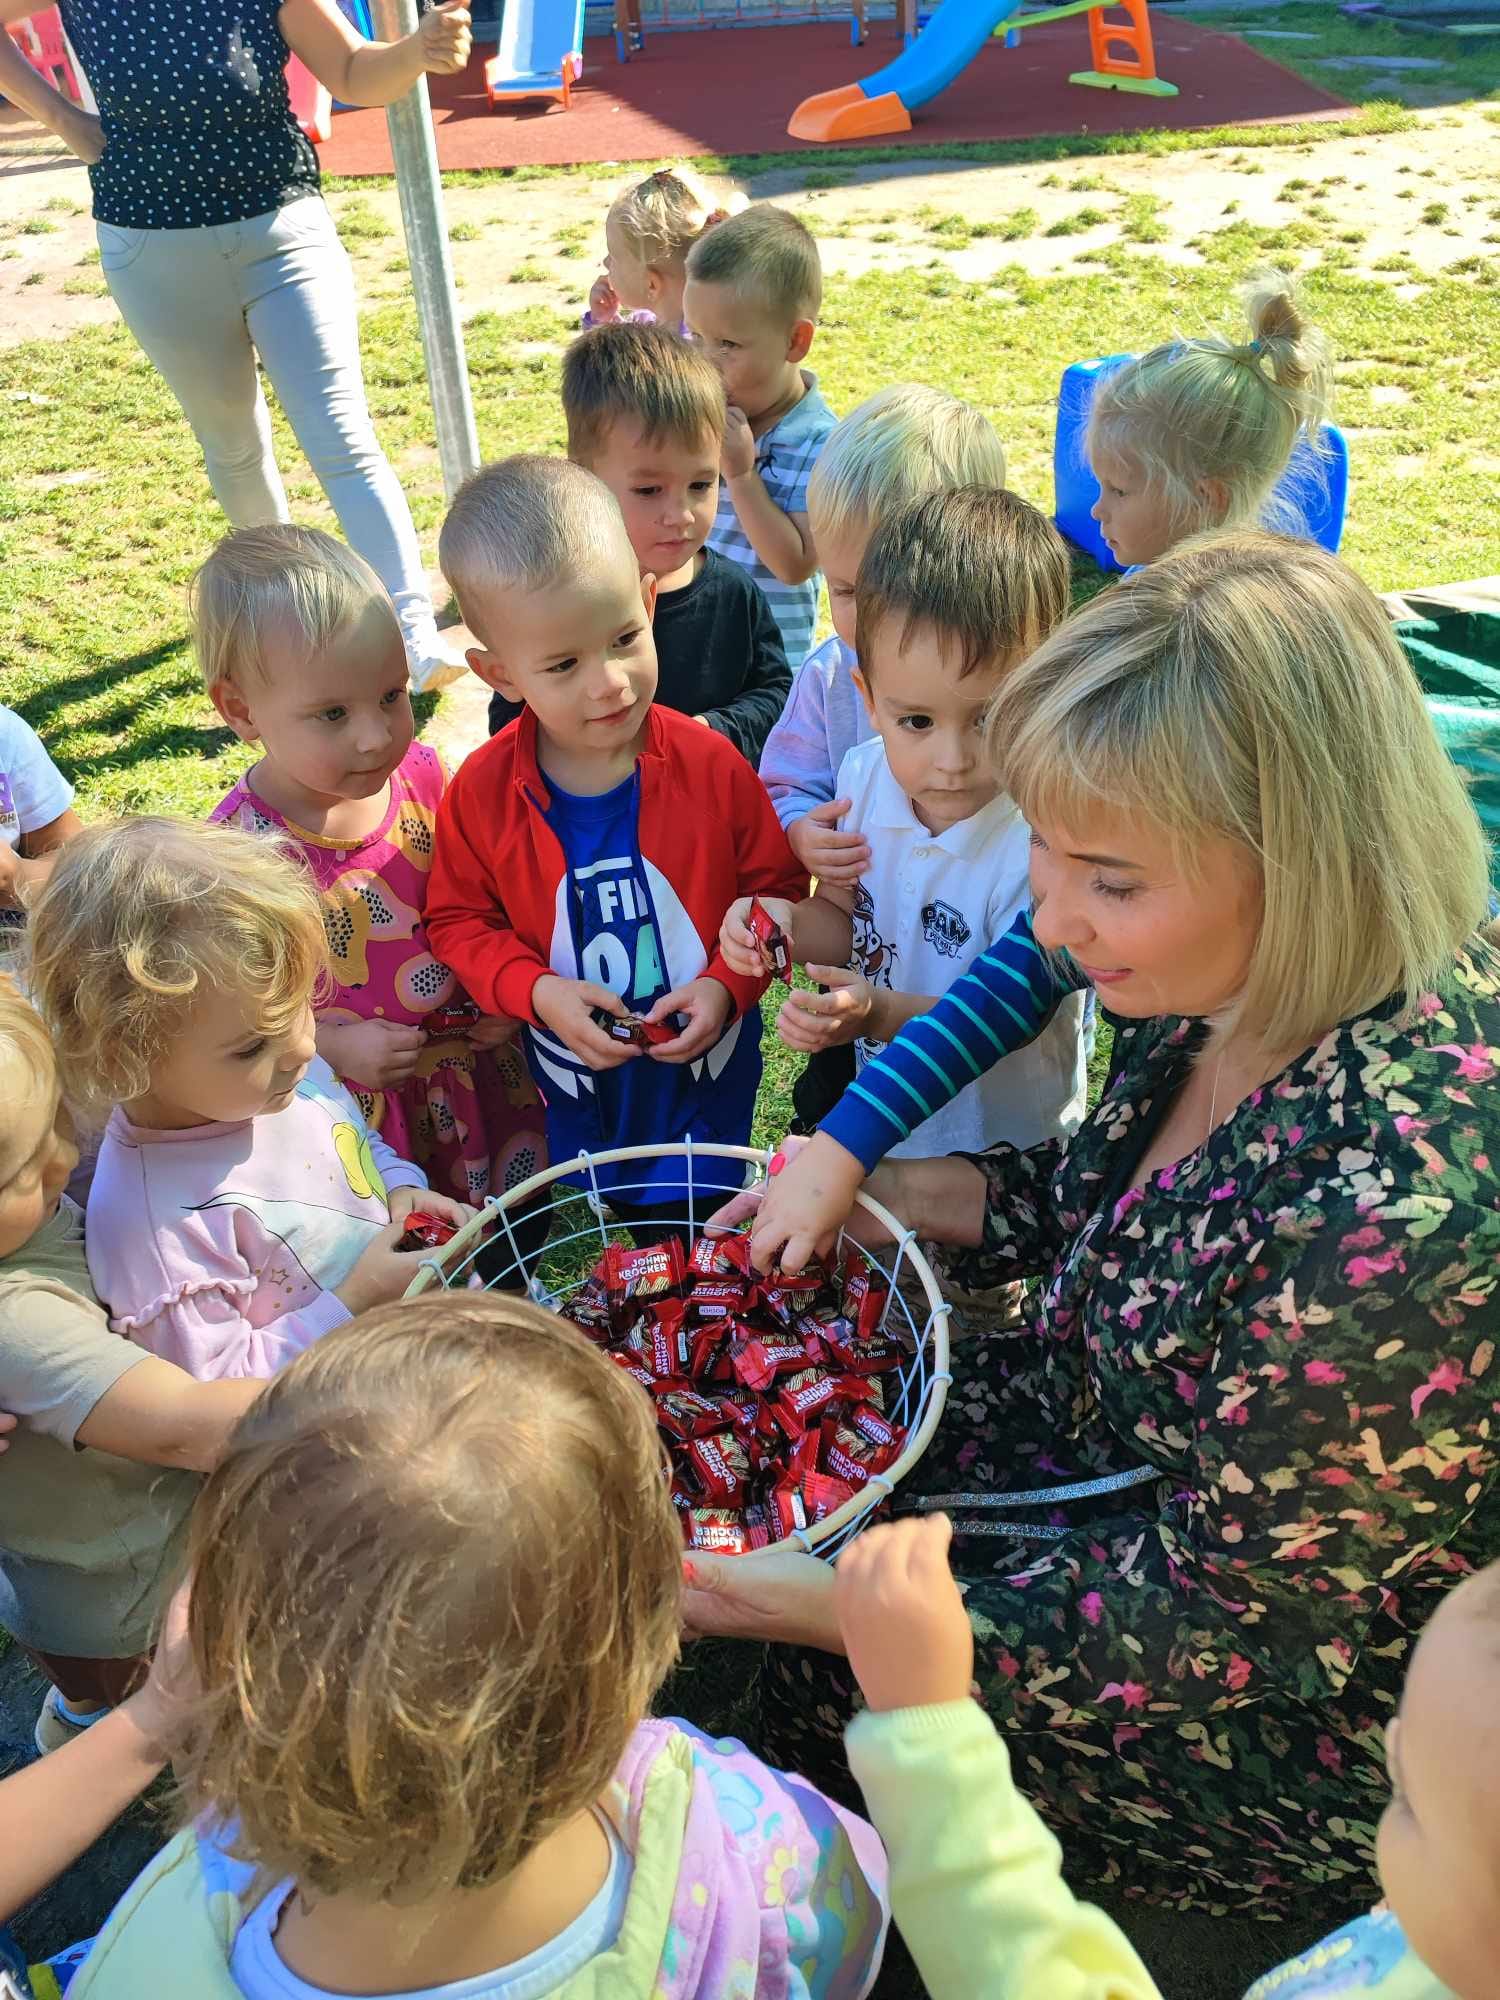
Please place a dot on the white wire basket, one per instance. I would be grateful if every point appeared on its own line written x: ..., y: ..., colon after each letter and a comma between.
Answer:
x: 582, y: 1226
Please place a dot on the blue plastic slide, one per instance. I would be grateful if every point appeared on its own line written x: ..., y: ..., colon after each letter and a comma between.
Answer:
x: 541, y: 51
x: 885, y: 101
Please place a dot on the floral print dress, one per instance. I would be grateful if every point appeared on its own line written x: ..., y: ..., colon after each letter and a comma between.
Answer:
x: 470, y: 1118
x: 1294, y: 1328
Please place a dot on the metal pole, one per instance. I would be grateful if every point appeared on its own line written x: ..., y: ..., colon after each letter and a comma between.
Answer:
x: 419, y: 184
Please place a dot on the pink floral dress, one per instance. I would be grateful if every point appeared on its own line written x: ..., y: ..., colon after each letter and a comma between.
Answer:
x: 470, y: 1118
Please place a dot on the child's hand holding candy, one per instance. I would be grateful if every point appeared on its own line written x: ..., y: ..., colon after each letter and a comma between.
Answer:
x: 741, y: 948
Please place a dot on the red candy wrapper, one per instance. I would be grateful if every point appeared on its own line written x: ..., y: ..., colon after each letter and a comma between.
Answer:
x: 632, y: 1028
x: 720, y: 1257
x: 771, y: 941
x: 685, y: 1414
x: 823, y: 1495
x: 667, y: 1346
x: 867, y: 1421
x: 864, y: 1294
x: 722, y: 1467
x: 716, y: 1299
x: 873, y: 1355
x: 849, y: 1456
x: 721, y: 1530
x: 457, y: 1018
x: 801, y: 1399
x: 589, y: 1307
x: 656, y: 1271
x: 758, y: 1362
x: 425, y: 1232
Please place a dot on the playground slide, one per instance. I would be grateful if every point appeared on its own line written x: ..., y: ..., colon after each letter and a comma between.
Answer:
x: 541, y: 51
x: 885, y: 101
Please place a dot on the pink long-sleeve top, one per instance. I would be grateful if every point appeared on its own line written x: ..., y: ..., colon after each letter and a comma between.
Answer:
x: 220, y: 1247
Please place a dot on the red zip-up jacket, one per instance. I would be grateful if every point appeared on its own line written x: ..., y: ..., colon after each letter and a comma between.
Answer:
x: 493, y: 905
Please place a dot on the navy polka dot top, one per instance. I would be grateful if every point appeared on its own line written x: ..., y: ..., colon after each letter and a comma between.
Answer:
x: 192, y: 95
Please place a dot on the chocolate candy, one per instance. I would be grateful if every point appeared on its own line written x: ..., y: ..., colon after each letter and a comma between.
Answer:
x: 652, y: 1271
x: 720, y: 1257
x: 801, y: 1398
x: 457, y: 1018
x: 716, y: 1299
x: 684, y: 1414
x: 632, y: 1028
x: 771, y: 941
x: 722, y: 1466
x: 873, y: 1355
x: 719, y: 1529
x: 588, y: 1307
x: 864, y: 1294
x: 425, y: 1232
x: 758, y: 1362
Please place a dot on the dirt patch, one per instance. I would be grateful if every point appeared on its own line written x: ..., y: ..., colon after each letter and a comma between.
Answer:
x: 1409, y: 205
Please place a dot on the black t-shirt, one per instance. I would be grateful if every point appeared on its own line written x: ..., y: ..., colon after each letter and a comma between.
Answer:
x: 192, y: 95
x: 718, y: 655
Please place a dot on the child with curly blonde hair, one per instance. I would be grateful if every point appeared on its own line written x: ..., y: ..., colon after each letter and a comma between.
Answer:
x: 648, y: 233
x: 1197, y: 433
x: 240, y: 1206
x: 301, y: 654
x: 436, y: 1582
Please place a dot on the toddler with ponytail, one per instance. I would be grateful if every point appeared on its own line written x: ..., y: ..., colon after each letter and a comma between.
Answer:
x: 1197, y: 433
x: 648, y: 233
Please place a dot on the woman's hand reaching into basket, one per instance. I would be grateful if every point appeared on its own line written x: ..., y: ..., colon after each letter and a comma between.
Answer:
x: 800, y: 1209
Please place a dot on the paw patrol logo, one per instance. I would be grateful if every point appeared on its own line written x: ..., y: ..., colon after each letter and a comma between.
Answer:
x: 944, y: 927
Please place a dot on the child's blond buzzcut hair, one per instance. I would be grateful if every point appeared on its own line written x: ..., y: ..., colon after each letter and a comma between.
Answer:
x: 28, y: 1066
x: 528, y: 522
x: 1226, y: 412
x: 663, y: 216
x: 984, y: 568
x: 436, y: 1582
x: 639, y: 373
x: 277, y: 593
x: 768, y: 257
x: 901, y: 442
x: 1249, y: 688
x: 139, y: 918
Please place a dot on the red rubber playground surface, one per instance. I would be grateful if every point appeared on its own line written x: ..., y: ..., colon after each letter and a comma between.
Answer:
x: 732, y: 90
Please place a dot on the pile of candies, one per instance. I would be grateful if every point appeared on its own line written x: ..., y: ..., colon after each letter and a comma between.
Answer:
x: 769, y: 1392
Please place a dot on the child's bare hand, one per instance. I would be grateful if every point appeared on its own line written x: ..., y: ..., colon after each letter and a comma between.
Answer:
x: 426, y: 1201
x: 379, y: 1054
x: 737, y: 457
x: 604, y: 301
x: 491, y: 1031
x: 172, y: 1683
x: 444, y: 39
x: 824, y: 851
x: 566, y: 1007
x: 813, y: 1021
x: 704, y: 1006
x: 7, y: 1423
x: 903, y: 1620
x: 741, y: 952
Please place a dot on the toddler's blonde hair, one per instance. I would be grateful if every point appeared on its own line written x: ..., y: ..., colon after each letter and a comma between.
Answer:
x: 664, y: 215
x: 527, y: 521
x: 1249, y: 688
x: 901, y: 442
x: 1227, y: 411
x: 277, y: 593
x: 436, y: 1582
x: 981, y: 566
x: 28, y: 1065
x: 139, y: 918
x: 768, y: 257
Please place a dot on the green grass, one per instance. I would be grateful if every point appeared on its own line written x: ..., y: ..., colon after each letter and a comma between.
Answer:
x: 1469, y: 66
x: 93, y: 639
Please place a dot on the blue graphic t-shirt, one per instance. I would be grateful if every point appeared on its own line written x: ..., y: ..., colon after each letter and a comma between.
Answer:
x: 621, y: 925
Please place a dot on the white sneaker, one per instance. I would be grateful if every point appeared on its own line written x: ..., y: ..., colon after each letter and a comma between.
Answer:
x: 57, y: 1724
x: 436, y: 666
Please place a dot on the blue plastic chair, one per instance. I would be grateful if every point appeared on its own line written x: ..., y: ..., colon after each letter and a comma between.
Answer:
x: 1314, y: 487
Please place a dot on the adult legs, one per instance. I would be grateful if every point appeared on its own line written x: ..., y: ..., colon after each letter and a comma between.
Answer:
x: 178, y: 292
x: 297, y: 291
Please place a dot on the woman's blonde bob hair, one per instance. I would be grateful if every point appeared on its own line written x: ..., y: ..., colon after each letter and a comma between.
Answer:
x: 139, y: 918
x: 437, y: 1580
x: 1249, y: 688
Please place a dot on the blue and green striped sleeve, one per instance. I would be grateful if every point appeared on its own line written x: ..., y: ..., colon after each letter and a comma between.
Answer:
x: 1000, y: 1004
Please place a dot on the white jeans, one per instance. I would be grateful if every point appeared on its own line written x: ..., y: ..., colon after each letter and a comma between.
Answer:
x: 203, y: 303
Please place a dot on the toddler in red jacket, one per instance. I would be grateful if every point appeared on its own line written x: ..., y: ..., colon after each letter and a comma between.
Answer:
x: 585, y: 854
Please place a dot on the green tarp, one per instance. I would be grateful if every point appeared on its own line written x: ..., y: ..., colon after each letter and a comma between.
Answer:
x: 1456, y: 654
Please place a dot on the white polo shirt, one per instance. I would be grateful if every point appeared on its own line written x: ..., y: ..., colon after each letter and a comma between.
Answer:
x: 928, y: 905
